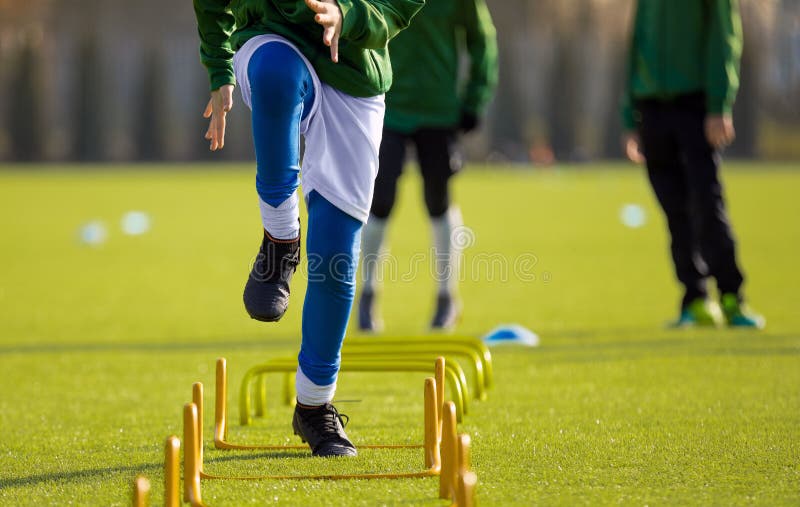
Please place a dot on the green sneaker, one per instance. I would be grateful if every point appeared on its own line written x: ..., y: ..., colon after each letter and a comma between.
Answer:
x: 737, y: 314
x: 700, y: 312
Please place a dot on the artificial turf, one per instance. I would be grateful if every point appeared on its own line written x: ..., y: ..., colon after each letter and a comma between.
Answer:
x: 99, y: 345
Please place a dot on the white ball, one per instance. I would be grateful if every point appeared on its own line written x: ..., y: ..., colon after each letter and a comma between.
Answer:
x: 135, y: 223
x: 633, y: 216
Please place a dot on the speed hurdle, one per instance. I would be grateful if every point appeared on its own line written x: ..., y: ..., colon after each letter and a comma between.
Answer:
x: 193, y: 468
x: 474, y: 350
x: 453, y: 374
x: 221, y: 410
x: 258, y: 387
x: 444, y: 344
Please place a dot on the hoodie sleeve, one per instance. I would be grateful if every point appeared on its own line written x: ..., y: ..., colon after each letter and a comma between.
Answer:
x: 370, y: 24
x: 215, y: 24
x: 723, y: 55
x: 481, y: 41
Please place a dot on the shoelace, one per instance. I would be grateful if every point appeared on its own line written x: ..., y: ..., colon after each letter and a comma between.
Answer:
x: 327, y: 418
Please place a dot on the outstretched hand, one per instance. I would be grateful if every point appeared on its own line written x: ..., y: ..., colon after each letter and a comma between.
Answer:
x: 221, y: 102
x: 329, y: 16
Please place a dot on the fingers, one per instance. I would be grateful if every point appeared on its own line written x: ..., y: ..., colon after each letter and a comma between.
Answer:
x: 315, y: 6
x: 331, y: 39
x: 209, y: 109
x: 226, y: 93
x: 335, y: 48
x: 330, y: 17
x: 216, y: 133
x: 632, y: 147
x: 719, y: 131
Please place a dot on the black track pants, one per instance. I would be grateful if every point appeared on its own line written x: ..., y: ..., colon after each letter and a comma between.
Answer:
x: 438, y: 158
x: 684, y: 172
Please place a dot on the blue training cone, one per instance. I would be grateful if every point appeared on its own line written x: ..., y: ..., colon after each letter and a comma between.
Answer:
x: 506, y: 334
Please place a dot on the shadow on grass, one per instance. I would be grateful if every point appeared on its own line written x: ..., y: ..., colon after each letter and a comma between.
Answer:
x: 78, y: 475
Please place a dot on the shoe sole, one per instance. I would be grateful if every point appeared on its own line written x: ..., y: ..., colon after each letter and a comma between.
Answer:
x: 266, y: 319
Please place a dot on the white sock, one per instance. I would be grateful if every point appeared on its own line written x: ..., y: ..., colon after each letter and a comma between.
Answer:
x: 309, y: 393
x: 446, y: 252
x: 371, y: 242
x: 281, y: 222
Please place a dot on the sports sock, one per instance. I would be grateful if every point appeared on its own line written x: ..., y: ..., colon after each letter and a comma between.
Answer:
x: 311, y: 394
x: 332, y: 250
x: 281, y: 222
x: 446, y: 249
x: 371, y: 243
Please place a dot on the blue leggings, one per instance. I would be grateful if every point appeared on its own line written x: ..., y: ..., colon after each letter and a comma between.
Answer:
x: 282, y: 93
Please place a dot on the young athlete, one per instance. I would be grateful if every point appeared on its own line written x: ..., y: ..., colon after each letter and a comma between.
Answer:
x: 682, y: 83
x: 428, y: 105
x: 316, y: 68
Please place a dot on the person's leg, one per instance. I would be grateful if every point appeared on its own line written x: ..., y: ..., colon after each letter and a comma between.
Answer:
x: 667, y: 175
x: 709, y: 215
x: 706, y: 200
x: 338, y: 175
x: 390, y: 166
x: 439, y: 160
x: 332, y: 249
x: 281, y: 92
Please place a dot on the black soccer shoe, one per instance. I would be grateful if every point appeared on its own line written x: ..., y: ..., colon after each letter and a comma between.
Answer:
x: 322, y: 428
x: 447, y: 312
x: 367, y: 320
x: 266, y: 294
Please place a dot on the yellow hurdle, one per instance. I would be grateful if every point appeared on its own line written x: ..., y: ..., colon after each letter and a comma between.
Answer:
x: 430, y: 343
x: 454, y: 374
x: 221, y: 412
x: 193, y: 454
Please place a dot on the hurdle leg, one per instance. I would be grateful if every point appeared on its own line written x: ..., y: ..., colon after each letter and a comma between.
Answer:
x: 191, y: 456
x: 448, y: 451
x: 432, y: 456
x: 141, y: 492
x: 172, y: 472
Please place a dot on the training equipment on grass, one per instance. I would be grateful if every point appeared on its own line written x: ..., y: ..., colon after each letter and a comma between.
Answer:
x: 444, y: 452
x: 193, y: 454
x: 511, y: 334
x: 443, y: 344
x: 453, y: 373
x: 416, y: 347
x: 221, y: 410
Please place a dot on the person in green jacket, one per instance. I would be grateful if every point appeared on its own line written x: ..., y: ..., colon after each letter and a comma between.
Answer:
x: 682, y: 84
x: 317, y: 69
x: 428, y: 106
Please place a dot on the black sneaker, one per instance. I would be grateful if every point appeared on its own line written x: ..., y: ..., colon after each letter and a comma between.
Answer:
x: 322, y: 428
x: 266, y: 294
x: 367, y: 320
x: 447, y: 312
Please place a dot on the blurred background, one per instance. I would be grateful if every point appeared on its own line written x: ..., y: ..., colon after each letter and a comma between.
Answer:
x: 114, y: 80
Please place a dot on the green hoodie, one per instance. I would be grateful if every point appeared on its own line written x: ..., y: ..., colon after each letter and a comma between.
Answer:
x: 363, y: 70
x: 425, y: 58
x: 681, y: 47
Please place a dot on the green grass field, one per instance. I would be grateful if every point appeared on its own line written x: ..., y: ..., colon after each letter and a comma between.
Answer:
x: 99, y: 345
